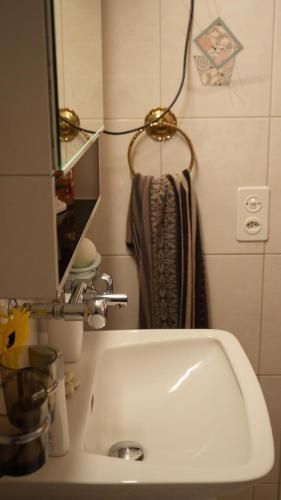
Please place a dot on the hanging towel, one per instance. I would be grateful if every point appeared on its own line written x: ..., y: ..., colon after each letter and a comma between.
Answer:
x: 163, y: 231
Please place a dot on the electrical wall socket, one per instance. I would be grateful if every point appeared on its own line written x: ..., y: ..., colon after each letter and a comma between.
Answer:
x: 252, y: 213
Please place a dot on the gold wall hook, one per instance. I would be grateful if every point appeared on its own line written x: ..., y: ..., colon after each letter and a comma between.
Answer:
x: 67, y: 132
x: 161, y: 130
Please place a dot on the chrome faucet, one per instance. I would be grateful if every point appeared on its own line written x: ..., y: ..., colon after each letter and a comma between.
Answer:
x: 84, y: 303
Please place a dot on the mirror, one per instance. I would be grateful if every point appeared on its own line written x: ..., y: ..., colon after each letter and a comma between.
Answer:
x: 78, y: 51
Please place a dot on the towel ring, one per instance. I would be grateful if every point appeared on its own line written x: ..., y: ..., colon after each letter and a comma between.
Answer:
x: 162, y: 130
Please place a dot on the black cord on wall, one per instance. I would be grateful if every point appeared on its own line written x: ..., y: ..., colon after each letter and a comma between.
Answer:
x: 136, y: 129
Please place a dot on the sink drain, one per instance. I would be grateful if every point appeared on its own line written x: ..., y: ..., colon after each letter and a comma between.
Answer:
x: 128, y: 450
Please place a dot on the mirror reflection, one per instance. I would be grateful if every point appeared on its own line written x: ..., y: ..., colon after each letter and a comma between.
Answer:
x: 78, y: 42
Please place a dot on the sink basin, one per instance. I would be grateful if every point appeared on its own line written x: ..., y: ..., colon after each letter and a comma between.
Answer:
x: 191, y: 399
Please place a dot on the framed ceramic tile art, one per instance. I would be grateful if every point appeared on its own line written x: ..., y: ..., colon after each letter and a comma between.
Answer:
x: 218, y: 43
x: 209, y: 75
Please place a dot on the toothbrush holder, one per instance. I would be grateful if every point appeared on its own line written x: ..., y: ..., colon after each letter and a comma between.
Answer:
x: 24, y: 424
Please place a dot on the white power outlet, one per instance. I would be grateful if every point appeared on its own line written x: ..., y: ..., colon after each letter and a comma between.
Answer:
x: 252, y: 213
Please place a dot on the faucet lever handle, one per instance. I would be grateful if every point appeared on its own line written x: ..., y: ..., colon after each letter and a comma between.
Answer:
x: 109, y: 281
x: 98, y: 319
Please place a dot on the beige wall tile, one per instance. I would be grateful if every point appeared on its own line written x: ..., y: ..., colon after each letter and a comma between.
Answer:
x: 271, y: 386
x: 125, y: 280
x: 235, y: 287
x: 231, y: 153
x: 131, y: 57
x: 266, y: 492
x: 249, y: 92
x: 247, y: 494
x: 276, y: 76
x: 109, y: 226
x: 82, y: 57
x: 271, y: 317
x: 274, y: 243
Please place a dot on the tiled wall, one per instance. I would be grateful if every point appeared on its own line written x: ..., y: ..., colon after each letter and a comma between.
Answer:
x: 79, y: 77
x: 236, y: 132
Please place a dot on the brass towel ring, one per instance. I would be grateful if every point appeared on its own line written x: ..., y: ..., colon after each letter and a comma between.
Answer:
x: 162, y: 130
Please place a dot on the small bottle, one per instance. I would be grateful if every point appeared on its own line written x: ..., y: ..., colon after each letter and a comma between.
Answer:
x: 65, y: 187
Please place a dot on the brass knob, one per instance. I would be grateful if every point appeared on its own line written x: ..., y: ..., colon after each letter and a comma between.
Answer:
x: 67, y: 132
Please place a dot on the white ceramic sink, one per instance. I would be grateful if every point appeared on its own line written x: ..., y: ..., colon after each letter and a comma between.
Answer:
x: 191, y: 399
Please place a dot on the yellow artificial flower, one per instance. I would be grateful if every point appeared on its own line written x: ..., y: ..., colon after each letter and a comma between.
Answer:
x: 15, y: 331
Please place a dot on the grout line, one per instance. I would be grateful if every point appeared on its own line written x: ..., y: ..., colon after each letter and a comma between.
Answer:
x: 161, y: 159
x: 226, y: 254
x: 267, y: 183
x: 276, y: 254
x: 160, y: 50
x: 207, y: 254
x: 261, y: 314
x: 199, y: 117
x: 62, y: 52
x: 265, y: 255
x: 115, y: 255
x: 210, y: 12
x: 268, y: 484
x: 90, y: 118
x: 271, y: 89
x: 272, y: 57
x: 160, y: 77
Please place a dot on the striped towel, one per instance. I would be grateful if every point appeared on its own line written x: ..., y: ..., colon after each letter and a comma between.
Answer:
x: 163, y: 231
